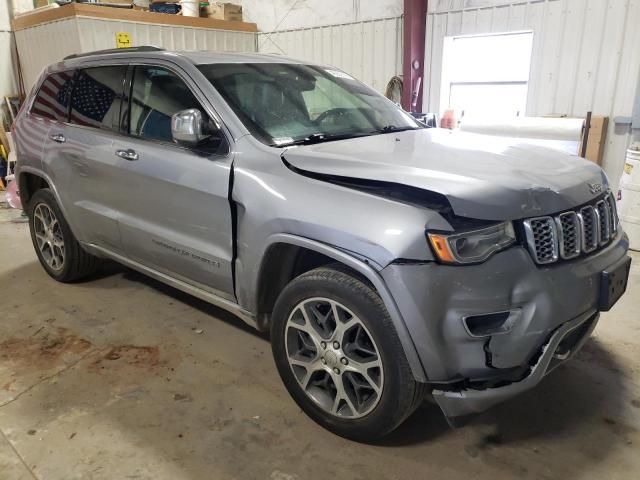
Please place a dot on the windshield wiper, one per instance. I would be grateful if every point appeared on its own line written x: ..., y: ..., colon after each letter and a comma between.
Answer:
x: 394, y: 129
x: 320, y: 137
x: 323, y: 137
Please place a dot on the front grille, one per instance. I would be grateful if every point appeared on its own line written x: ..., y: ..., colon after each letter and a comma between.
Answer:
x: 572, y: 233
x: 568, y: 225
x: 611, y: 205
x: 603, y: 220
x: 589, y: 230
x: 544, y: 242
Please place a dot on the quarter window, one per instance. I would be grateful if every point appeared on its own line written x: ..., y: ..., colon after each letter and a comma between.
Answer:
x: 52, y: 100
x: 97, y: 97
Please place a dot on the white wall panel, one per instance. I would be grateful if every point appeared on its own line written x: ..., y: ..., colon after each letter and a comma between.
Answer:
x: 7, y: 82
x: 5, y: 20
x: 44, y: 44
x: 295, y: 14
x: 585, y: 57
x: 48, y: 43
x: 100, y: 33
x: 370, y: 51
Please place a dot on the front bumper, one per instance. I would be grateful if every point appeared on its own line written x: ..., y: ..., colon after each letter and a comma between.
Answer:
x: 457, y: 404
x: 471, y: 373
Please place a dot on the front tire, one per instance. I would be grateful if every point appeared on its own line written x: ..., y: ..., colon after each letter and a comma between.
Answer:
x: 339, y: 356
x: 59, y: 252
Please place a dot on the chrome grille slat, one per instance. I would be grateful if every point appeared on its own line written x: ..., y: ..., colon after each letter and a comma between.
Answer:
x: 603, y: 219
x: 613, y: 214
x: 542, y: 237
x: 569, y: 234
x: 589, y: 228
x: 568, y: 227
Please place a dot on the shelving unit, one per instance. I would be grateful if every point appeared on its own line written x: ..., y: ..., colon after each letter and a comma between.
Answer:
x: 47, y: 35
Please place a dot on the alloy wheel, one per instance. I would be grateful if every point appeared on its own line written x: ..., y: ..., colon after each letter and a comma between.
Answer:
x: 334, y: 358
x: 48, y: 233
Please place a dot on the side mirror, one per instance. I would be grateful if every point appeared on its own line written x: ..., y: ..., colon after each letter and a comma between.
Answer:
x: 188, y: 127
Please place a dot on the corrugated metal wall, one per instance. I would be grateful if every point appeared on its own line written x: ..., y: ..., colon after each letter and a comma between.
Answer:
x: 50, y: 42
x: 370, y: 50
x: 586, y: 55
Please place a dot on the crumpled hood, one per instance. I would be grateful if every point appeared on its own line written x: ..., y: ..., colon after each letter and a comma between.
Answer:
x: 483, y: 177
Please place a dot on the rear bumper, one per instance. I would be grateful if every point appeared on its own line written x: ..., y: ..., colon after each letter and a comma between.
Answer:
x: 563, y: 344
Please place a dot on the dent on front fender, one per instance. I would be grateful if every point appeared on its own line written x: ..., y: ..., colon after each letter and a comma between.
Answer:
x: 271, y: 199
x: 367, y: 227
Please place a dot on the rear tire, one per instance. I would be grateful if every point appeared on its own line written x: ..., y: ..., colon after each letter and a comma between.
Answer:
x: 339, y: 356
x: 62, y: 257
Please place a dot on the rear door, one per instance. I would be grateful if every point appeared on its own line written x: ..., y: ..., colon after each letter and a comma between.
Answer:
x: 50, y: 106
x: 79, y: 155
x: 49, y: 109
x: 176, y: 217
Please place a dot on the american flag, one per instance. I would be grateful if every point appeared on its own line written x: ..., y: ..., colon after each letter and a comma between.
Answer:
x: 91, y: 100
x: 52, y: 100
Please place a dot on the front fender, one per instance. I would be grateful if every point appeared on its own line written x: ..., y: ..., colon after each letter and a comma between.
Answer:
x: 366, y: 268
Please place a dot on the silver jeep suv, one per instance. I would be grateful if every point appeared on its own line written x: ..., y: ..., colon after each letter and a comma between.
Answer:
x: 388, y: 260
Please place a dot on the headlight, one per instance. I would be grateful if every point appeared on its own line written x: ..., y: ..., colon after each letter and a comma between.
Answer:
x: 472, y: 246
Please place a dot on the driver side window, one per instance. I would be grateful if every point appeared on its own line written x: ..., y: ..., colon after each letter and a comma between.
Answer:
x: 156, y: 94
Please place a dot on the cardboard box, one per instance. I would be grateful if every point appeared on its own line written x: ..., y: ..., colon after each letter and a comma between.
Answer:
x: 43, y: 3
x: 4, y: 140
x: 597, y: 137
x: 223, y: 11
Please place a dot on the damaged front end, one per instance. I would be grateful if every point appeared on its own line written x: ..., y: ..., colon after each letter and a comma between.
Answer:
x: 461, y: 400
x: 505, y: 281
x: 487, y: 332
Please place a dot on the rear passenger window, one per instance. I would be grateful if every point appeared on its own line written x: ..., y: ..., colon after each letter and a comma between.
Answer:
x: 52, y: 100
x: 156, y: 95
x: 97, y: 97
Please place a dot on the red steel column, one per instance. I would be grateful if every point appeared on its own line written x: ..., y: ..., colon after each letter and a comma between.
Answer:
x: 415, y: 21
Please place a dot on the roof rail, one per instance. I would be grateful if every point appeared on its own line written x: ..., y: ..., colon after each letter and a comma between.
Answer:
x: 144, y: 48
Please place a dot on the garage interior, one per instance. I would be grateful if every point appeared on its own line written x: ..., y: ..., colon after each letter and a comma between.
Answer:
x: 121, y: 376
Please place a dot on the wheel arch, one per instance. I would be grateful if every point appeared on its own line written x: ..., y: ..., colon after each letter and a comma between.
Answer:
x: 29, y: 183
x: 31, y: 180
x: 287, y: 256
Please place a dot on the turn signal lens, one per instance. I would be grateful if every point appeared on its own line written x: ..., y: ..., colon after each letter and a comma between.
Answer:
x: 441, y: 247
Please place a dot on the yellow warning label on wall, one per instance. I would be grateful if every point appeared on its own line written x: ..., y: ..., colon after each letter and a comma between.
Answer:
x: 123, y: 40
x: 628, y: 168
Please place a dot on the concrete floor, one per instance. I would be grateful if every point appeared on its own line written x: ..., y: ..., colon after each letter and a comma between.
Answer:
x: 122, y: 377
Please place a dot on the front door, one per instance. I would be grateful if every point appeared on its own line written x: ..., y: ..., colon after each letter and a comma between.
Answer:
x: 176, y: 217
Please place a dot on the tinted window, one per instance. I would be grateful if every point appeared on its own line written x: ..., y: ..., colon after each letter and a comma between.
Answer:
x: 156, y: 95
x: 97, y: 96
x: 52, y: 100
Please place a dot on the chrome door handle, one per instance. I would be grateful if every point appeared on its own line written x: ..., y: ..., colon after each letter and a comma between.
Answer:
x: 127, y: 154
x: 57, y: 137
